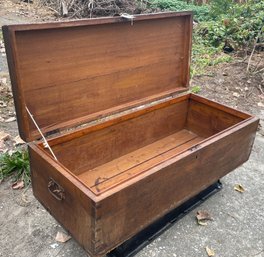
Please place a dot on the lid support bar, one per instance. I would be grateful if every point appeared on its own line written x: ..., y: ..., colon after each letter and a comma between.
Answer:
x: 46, y: 144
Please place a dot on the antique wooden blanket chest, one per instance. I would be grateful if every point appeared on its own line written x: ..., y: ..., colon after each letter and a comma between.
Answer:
x: 151, y: 148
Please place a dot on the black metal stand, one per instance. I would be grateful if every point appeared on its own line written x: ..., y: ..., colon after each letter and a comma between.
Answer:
x: 144, y: 237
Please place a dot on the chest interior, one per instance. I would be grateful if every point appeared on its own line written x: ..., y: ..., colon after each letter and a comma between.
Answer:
x: 111, y: 153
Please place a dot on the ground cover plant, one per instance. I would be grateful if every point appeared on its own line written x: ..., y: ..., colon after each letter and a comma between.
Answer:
x: 16, y: 166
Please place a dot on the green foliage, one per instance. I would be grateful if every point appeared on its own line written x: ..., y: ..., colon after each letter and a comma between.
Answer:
x: 236, y: 25
x: 200, y: 12
x: 196, y: 89
x: 16, y: 165
x: 204, y: 55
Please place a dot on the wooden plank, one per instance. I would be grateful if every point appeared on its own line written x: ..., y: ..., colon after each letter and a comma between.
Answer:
x: 114, y: 119
x: 67, y: 73
x: 108, y: 184
x: 75, y: 210
x: 97, y: 21
x: 103, y: 145
x: 206, y: 120
x: 99, y: 175
x: 220, y: 106
x: 137, y: 203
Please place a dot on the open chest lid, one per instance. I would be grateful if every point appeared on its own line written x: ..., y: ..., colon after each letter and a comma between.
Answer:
x: 68, y: 73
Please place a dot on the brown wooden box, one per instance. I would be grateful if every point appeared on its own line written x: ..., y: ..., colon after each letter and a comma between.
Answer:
x: 116, y: 176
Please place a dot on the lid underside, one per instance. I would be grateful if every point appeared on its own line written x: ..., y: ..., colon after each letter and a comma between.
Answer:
x: 68, y: 72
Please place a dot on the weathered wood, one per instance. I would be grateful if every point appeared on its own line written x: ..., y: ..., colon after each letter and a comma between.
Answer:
x: 75, y: 210
x: 103, y: 145
x: 117, y: 176
x: 169, y: 184
x: 64, y: 73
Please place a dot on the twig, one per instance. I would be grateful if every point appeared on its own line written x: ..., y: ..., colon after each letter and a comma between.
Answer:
x: 260, y: 89
x: 53, y: 10
x: 258, y: 71
x: 256, y: 40
x: 258, y: 252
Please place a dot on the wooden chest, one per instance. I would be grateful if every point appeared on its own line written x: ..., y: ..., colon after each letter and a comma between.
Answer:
x: 113, y: 178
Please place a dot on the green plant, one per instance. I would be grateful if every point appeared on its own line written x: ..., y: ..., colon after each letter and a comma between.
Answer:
x: 200, y: 12
x: 16, y: 165
x: 196, y: 89
x: 233, y: 25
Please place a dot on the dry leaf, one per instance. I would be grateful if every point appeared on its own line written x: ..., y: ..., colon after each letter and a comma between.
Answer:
x: 18, y: 140
x: 62, y: 238
x: 3, y: 148
x: 10, y: 119
x: 202, y: 223
x: 4, y: 136
x: 202, y: 216
x: 239, y: 188
x: 18, y: 184
x: 209, y: 251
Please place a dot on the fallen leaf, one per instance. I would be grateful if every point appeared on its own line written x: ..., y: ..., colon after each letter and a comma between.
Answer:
x: 203, y: 216
x: 62, y: 237
x: 210, y: 252
x: 202, y: 223
x: 18, y: 141
x: 18, y: 184
x: 10, y: 119
x: 4, y: 136
x: 239, y: 188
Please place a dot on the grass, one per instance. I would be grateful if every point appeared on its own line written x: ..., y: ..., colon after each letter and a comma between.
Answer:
x: 196, y: 89
x: 204, y: 56
x: 15, y: 165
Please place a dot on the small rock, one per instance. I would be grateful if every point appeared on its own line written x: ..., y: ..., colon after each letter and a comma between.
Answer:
x: 2, y: 104
x: 225, y: 73
x: 260, y: 104
x: 236, y: 94
x: 2, y: 50
x: 53, y: 246
x: 3, y: 81
x: 249, y: 81
x: 246, y: 88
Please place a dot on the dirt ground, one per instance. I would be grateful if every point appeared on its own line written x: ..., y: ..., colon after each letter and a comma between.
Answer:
x: 237, y: 230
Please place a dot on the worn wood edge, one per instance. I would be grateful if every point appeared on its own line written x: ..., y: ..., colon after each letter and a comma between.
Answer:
x: 219, y: 106
x: 27, y: 135
x: 179, y: 156
x: 61, y: 127
x: 96, y: 21
x: 9, y: 40
x: 71, y: 135
x: 63, y: 170
x: 140, y: 228
x: 188, y: 50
